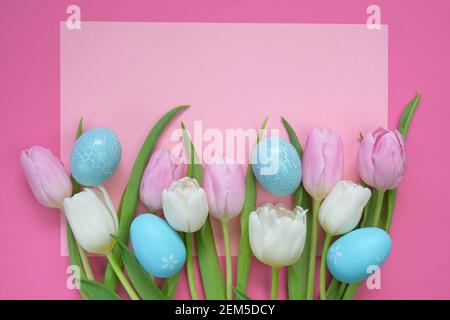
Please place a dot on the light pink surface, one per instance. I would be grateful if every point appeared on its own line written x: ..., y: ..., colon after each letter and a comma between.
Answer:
x: 124, y: 76
x: 30, y: 103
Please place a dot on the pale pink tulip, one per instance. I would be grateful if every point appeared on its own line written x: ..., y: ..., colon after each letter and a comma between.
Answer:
x: 323, y: 162
x: 382, y: 159
x: 162, y: 169
x: 46, y: 176
x: 224, y: 183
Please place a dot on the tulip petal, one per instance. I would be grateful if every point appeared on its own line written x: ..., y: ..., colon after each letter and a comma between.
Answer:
x: 256, y: 235
x: 175, y: 211
x: 381, y: 159
x: 90, y: 222
x: 103, y: 195
x: 322, y: 162
x: 161, y: 171
x: 197, y: 206
x: 46, y: 176
x: 31, y: 174
x: 342, y: 209
x: 55, y: 181
x: 277, y: 235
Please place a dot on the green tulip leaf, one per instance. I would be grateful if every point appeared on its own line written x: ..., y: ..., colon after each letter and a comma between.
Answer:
x: 298, y: 272
x: 244, y: 252
x: 141, y: 280
x: 74, y: 254
x: 195, y: 168
x: 240, y: 295
x: 75, y: 259
x: 292, y: 136
x: 368, y: 209
x: 208, y: 260
x: 130, y: 196
x: 170, y: 286
x: 333, y: 289
x: 407, y: 115
x: 98, y: 291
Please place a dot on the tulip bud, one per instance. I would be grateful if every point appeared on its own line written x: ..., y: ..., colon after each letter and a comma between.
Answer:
x: 46, y: 176
x: 93, y: 219
x: 323, y: 162
x: 161, y: 171
x: 277, y: 235
x: 382, y: 159
x: 224, y: 184
x: 185, y: 206
x: 341, y: 210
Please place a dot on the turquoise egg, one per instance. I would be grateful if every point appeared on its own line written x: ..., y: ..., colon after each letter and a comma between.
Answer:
x: 158, y: 248
x: 276, y: 165
x: 95, y: 156
x: 350, y: 256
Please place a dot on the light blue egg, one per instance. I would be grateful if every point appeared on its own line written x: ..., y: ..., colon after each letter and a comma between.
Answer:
x: 276, y: 165
x: 95, y: 156
x: 158, y: 248
x: 351, y: 258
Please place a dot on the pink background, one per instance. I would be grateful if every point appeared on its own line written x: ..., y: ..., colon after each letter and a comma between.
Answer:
x: 30, y: 109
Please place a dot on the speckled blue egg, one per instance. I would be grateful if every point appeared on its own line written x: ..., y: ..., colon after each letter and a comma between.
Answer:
x: 95, y: 156
x: 276, y: 165
x: 350, y: 257
x: 158, y: 248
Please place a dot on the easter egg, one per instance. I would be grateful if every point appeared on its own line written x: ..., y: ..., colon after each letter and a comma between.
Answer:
x: 352, y: 257
x: 276, y: 165
x: 95, y: 156
x: 158, y: 248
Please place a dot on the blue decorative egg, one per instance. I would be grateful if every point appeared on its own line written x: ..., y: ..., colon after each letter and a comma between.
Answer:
x: 276, y: 165
x: 158, y: 248
x: 351, y: 258
x: 95, y: 156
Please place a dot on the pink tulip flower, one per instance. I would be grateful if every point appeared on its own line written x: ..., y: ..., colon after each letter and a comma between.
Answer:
x: 382, y: 159
x: 46, y: 176
x: 323, y: 162
x: 224, y: 183
x: 162, y: 169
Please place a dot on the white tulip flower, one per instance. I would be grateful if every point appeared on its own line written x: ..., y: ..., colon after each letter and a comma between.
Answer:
x: 93, y: 219
x: 185, y: 205
x: 342, y: 209
x: 277, y: 235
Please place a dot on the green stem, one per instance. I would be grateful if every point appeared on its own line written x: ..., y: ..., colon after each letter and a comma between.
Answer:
x: 229, y: 265
x: 323, y: 262
x: 125, y: 283
x: 190, y: 267
x: 364, y: 219
x: 312, y: 252
x: 275, y: 279
x: 332, y: 289
x: 350, y: 291
x: 85, y: 262
x: 341, y: 291
x: 83, y: 256
x: 391, y: 198
x: 378, y: 206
